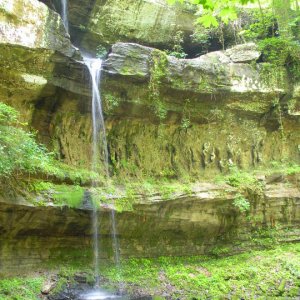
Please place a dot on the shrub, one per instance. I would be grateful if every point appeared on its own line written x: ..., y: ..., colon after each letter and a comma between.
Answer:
x: 241, y: 203
x: 19, y: 151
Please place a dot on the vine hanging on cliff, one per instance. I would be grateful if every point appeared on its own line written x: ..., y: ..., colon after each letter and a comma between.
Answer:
x: 157, y: 72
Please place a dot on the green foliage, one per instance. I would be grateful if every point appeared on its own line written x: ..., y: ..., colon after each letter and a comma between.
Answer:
x: 111, y: 102
x: 264, y: 274
x: 293, y: 169
x: 20, y: 288
x: 219, y: 251
x: 282, y: 52
x: 71, y: 196
x: 256, y: 274
x: 214, y: 11
x: 160, y: 110
x: 261, y: 26
x: 177, y: 50
x: 277, y: 50
x: 18, y: 150
x: 58, y: 194
x: 157, y: 73
x: 237, y: 178
x: 202, y: 37
x: 241, y: 203
x: 101, y: 51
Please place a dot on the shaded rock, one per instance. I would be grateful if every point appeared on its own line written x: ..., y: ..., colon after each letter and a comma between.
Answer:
x: 294, y: 102
x: 276, y: 177
x: 190, y: 223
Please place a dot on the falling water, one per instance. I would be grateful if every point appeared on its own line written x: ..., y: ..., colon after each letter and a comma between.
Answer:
x: 99, y: 150
x: 99, y: 134
x: 99, y: 144
x: 64, y: 14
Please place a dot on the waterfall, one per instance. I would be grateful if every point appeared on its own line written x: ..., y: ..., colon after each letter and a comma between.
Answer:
x: 99, y: 145
x: 99, y: 133
x: 99, y: 150
x: 64, y: 14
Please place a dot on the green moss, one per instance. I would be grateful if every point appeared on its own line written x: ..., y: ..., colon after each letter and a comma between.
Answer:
x: 71, y: 196
x: 21, y: 288
x: 111, y: 102
x: 255, y: 274
x: 159, y: 63
x: 280, y: 51
x: 249, y: 275
x: 256, y: 107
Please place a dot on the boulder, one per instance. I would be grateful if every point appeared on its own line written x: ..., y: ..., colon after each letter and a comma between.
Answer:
x: 244, y: 53
x: 215, y: 72
x: 31, y: 24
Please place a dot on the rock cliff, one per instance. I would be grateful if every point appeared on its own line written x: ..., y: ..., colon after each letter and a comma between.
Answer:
x: 165, y: 117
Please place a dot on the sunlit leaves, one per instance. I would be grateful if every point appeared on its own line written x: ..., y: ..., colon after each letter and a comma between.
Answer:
x: 208, y: 20
x: 228, y: 14
x: 18, y: 148
x: 215, y: 11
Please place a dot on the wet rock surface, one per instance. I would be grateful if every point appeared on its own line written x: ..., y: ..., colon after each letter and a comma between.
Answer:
x: 80, y: 290
x: 191, y: 223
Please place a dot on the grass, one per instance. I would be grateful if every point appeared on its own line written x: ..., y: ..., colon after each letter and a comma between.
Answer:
x: 261, y: 274
x: 43, y: 193
x: 21, y: 288
x: 264, y: 274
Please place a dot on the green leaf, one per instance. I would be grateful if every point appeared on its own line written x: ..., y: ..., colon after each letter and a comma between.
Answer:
x: 228, y: 14
x: 208, y: 20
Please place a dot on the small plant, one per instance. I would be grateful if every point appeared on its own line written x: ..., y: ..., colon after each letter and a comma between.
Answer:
x: 185, y: 123
x: 111, y: 102
x: 160, y: 110
x: 238, y: 178
x: 19, y: 151
x: 219, y: 251
x: 177, y: 50
x: 241, y: 203
x: 101, y: 52
x: 82, y: 27
x: 157, y: 73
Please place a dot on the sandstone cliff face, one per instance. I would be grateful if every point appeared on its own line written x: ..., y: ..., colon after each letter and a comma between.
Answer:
x: 165, y: 117
x: 38, y: 64
x: 197, y: 115
x: 202, y: 221
x: 148, y: 22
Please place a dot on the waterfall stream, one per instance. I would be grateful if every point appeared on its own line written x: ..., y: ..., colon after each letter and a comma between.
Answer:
x: 64, y: 14
x: 98, y: 143
x: 99, y: 150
